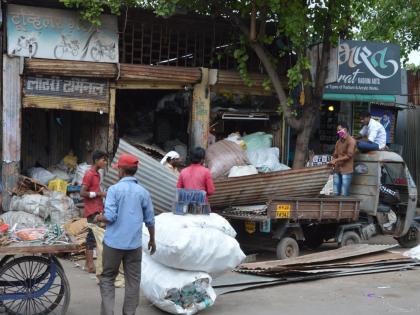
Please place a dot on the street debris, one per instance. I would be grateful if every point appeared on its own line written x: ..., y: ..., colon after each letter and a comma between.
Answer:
x: 345, y: 261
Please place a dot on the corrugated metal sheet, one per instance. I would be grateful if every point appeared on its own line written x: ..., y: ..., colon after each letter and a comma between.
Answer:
x: 257, y: 189
x: 70, y: 68
x: 407, y: 135
x: 159, y: 181
x: 167, y: 74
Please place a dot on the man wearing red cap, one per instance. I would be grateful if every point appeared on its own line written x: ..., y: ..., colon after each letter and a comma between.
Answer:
x: 127, y: 206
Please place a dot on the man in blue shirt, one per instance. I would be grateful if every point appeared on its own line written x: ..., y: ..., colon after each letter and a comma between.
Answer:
x: 127, y: 206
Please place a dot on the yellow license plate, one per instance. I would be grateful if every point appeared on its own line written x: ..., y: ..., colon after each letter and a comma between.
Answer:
x: 283, y: 212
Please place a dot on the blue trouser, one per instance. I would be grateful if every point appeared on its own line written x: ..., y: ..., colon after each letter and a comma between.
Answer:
x: 366, y: 146
x: 342, y: 184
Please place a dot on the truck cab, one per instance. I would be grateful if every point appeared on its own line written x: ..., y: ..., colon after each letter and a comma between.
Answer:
x: 388, y: 195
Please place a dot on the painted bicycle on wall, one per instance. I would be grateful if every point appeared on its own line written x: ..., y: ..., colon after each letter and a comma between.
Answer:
x: 66, y: 46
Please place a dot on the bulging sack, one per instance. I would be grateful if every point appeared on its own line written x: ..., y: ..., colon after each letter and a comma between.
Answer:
x: 176, y: 291
x: 195, y: 242
x: 223, y: 155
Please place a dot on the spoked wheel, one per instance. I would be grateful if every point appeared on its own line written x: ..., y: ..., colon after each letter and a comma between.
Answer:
x: 34, y: 285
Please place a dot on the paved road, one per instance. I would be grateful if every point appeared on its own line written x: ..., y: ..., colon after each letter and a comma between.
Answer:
x: 385, y: 293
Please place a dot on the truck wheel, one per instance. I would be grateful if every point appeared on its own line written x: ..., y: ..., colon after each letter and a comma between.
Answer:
x: 350, y: 238
x: 287, y: 248
x: 410, y: 239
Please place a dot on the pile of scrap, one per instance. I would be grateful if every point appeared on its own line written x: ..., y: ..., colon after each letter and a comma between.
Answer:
x: 345, y: 261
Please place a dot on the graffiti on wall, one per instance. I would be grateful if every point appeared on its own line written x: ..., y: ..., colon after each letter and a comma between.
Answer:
x: 60, y: 34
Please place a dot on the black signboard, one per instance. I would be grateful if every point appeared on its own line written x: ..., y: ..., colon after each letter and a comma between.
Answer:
x: 70, y: 87
x: 367, y: 68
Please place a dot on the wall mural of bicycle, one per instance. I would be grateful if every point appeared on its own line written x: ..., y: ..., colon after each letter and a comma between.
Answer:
x: 60, y: 34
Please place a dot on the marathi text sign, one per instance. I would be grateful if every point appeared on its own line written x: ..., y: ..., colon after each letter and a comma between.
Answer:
x: 60, y: 34
x: 367, y: 68
x: 66, y: 87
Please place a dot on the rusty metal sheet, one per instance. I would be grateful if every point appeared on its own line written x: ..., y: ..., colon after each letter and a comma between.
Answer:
x: 70, y: 68
x: 164, y: 74
x: 322, y: 257
x: 158, y: 180
x: 258, y: 189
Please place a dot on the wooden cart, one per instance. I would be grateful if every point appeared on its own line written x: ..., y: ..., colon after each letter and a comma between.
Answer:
x: 293, y: 221
x: 32, y: 280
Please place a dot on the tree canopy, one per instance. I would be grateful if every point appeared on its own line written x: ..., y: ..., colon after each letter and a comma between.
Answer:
x: 295, y: 27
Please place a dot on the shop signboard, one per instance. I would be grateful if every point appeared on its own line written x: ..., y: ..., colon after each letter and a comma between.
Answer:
x: 367, y: 68
x: 60, y: 34
x: 68, y: 87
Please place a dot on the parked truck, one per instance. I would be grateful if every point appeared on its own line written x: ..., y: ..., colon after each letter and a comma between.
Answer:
x: 383, y: 199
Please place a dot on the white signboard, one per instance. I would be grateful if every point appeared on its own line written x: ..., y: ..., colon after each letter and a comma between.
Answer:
x: 60, y: 34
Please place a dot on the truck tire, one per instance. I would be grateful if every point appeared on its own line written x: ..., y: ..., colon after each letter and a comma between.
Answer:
x: 287, y: 248
x: 350, y: 238
x: 411, y: 239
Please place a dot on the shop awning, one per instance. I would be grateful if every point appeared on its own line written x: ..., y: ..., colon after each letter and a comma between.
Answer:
x: 360, y: 97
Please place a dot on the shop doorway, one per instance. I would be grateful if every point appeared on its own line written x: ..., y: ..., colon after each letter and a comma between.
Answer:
x: 157, y: 119
x: 49, y: 135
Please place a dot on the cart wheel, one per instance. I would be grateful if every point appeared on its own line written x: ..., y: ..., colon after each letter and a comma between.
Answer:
x: 34, y: 285
x: 287, y: 248
x: 350, y: 238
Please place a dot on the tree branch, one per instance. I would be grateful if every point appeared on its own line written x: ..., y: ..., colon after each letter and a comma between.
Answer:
x: 264, y: 57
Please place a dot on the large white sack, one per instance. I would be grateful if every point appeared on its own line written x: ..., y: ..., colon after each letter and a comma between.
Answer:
x: 22, y: 219
x: 32, y: 203
x: 194, y: 242
x: 175, y: 291
x: 204, y: 221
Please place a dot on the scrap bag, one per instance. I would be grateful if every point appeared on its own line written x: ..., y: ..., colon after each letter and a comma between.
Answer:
x: 223, y: 155
x: 175, y: 291
x: 195, y: 242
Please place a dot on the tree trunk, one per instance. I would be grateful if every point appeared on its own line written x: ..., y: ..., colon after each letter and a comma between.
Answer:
x: 304, y: 135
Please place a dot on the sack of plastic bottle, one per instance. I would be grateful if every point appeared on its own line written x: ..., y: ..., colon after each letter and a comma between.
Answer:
x: 176, y: 291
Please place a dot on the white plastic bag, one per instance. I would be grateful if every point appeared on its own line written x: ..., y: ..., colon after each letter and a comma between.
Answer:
x: 22, y: 219
x: 191, y: 247
x: 176, y: 291
x: 413, y: 253
x: 41, y: 175
x: 266, y: 160
x: 258, y: 140
x: 246, y: 170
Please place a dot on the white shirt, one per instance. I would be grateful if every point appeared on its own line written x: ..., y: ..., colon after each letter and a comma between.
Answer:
x: 375, y: 132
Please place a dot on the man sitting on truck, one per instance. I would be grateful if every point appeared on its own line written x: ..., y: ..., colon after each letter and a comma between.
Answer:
x: 375, y: 133
x: 343, y: 160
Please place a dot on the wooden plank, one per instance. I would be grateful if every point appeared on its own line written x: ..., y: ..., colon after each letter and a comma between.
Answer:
x: 12, y: 119
x: 14, y: 249
x: 111, y: 120
x: 74, y: 104
x: 136, y: 85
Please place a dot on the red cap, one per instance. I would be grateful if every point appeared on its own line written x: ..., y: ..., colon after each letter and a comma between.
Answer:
x: 126, y: 160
